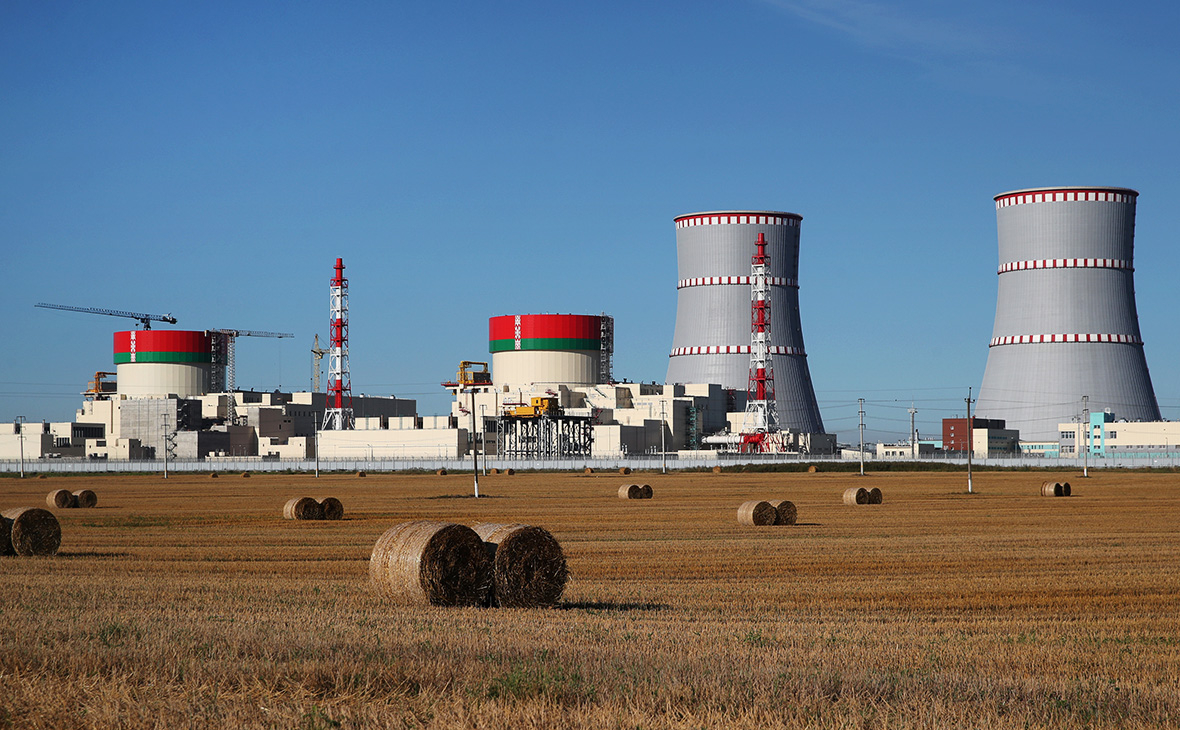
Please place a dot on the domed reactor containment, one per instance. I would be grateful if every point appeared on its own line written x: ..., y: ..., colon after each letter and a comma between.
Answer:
x: 1066, y: 325
x: 712, y: 339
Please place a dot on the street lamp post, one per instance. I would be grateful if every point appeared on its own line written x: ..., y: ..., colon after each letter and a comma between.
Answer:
x: 20, y: 431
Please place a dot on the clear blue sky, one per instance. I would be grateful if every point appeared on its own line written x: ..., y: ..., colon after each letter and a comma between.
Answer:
x: 469, y: 159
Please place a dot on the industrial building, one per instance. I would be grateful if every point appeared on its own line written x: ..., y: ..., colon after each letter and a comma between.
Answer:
x: 712, y: 339
x: 1066, y: 333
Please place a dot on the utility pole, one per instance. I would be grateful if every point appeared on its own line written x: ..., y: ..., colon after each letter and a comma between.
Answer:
x: 474, y: 452
x: 20, y: 430
x: 861, y: 401
x: 1086, y: 441
x: 317, y: 453
x: 913, y: 433
x: 970, y: 439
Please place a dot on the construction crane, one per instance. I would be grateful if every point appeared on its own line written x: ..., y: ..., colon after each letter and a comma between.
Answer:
x: 144, y: 319
x: 317, y: 354
x: 223, y: 354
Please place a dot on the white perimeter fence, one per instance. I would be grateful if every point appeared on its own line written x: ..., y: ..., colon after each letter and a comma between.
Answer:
x: 646, y: 462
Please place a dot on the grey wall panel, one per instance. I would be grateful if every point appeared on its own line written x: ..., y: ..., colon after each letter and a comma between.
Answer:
x: 1065, y: 271
x: 716, y: 314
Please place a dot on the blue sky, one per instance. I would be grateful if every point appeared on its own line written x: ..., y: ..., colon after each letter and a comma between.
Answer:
x: 211, y: 160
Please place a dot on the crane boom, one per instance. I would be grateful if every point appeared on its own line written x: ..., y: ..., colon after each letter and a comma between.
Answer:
x: 144, y: 319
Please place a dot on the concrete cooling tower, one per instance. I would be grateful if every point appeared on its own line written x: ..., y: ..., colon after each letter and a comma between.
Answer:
x: 1066, y: 325
x: 712, y: 339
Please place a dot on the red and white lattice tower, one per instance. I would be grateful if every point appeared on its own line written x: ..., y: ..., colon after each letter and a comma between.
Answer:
x: 761, y: 412
x: 338, y: 411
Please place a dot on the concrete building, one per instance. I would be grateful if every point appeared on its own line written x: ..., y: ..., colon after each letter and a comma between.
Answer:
x: 987, y: 437
x: 1109, y: 436
x: 1066, y: 324
x: 711, y: 343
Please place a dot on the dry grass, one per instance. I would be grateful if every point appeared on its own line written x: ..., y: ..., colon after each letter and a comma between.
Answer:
x: 193, y: 606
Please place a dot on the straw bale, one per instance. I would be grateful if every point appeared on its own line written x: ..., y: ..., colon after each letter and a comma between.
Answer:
x: 212, y: 475
x: 441, y: 472
x: 716, y: 470
x: 756, y: 512
x: 1065, y: 489
x: 303, y: 508
x: 61, y: 499
x: 630, y: 491
x: 528, y: 566
x: 5, y: 537
x: 331, y: 508
x: 246, y: 474
x: 812, y: 469
x: 509, y: 472
x: 1052, y: 489
x: 493, y: 471
x: 361, y: 474
x: 646, y: 491
x: 86, y: 498
x: 856, y: 495
x: 625, y: 470
x: 431, y: 563
x: 587, y: 470
x: 874, y: 496
x: 33, y: 531
x: 785, y: 511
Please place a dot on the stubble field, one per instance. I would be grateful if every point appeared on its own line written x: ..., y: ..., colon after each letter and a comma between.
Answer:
x: 190, y: 602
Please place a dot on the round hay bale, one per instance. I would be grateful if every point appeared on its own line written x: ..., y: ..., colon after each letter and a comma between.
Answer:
x: 812, y: 469
x: 441, y: 472
x: 331, y: 508
x: 1065, y: 489
x: 361, y: 474
x: 625, y: 470
x: 587, y: 470
x: 61, y: 499
x: 1052, y: 489
x: 874, y: 496
x: 33, y: 531
x: 246, y: 474
x: 646, y: 491
x: 756, y: 512
x: 431, y: 563
x: 509, y: 472
x: 42, y: 476
x: 630, y: 491
x: 856, y: 495
x: 785, y: 511
x: 212, y: 475
x: 716, y: 470
x: 528, y: 566
x: 493, y: 471
x: 86, y: 498
x: 5, y: 537
x: 303, y: 508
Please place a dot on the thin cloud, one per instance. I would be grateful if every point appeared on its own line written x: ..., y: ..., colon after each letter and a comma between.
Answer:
x: 890, y: 27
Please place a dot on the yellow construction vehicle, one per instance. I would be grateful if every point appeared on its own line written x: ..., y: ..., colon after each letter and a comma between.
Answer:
x: 538, y: 406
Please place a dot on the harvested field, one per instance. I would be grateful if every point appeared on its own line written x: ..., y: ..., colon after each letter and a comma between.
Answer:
x: 194, y: 606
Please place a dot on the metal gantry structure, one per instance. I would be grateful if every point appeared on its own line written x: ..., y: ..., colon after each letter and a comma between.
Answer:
x: 317, y: 355
x: 338, y: 414
x: 761, y: 410
x: 145, y: 320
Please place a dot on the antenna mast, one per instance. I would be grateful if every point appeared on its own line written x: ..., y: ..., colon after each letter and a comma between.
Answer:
x: 761, y: 410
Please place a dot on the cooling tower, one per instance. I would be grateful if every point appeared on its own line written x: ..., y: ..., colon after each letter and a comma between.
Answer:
x: 712, y: 339
x: 162, y: 362
x: 1066, y: 325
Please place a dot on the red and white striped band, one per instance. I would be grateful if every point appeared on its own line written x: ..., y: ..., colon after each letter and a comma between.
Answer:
x: 1066, y: 264
x: 1041, y: 339
x: 729, y: 220
x: 1062, y: 196
x: 712, y: 280
x: 735, y: 350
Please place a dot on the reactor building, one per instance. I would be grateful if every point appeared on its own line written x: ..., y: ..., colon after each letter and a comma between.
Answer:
x: 1066, y: 326
x: 712, y: 339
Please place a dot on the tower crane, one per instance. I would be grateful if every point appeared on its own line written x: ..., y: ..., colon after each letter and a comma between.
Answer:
x: 223, y: 354
x: 144, y: 319
x: 317, y: 354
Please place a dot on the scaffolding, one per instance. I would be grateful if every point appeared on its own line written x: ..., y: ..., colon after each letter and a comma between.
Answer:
x: 544, y: 437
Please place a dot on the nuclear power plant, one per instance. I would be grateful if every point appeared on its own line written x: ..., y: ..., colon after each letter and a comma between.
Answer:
x: 712, y: 340
x: 1066, y: 326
